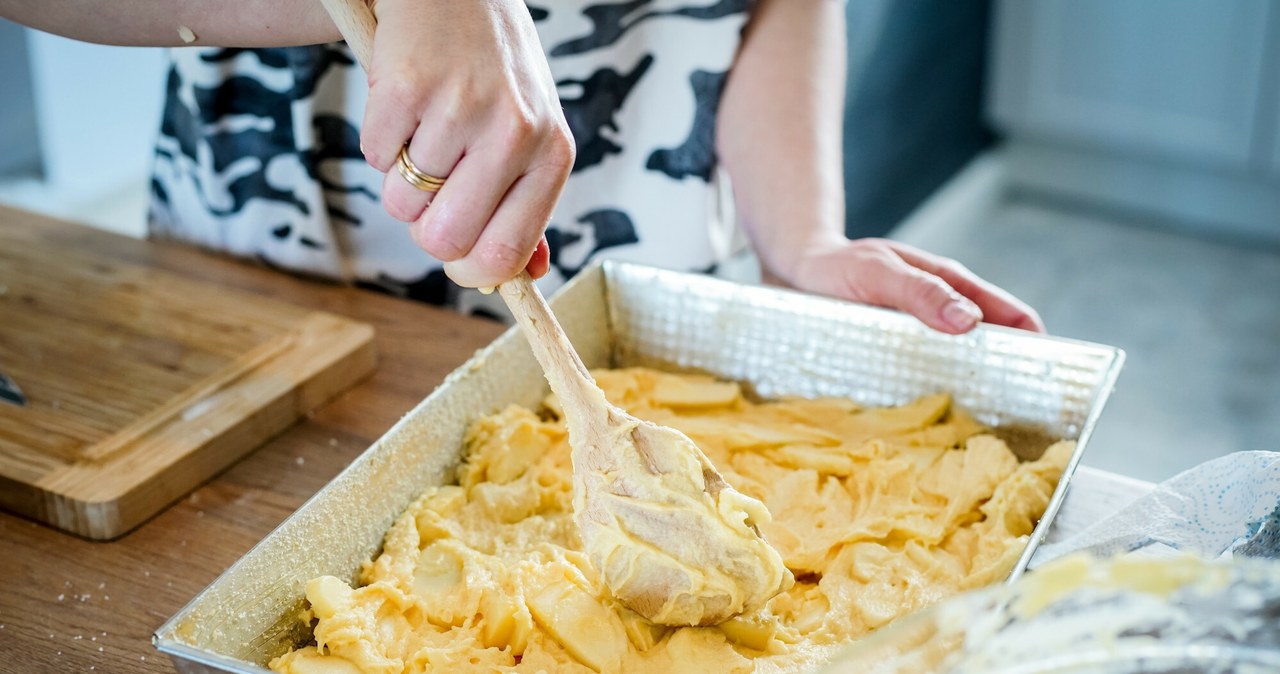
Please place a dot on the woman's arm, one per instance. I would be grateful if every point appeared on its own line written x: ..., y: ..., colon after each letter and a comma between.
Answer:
x: 779, y: 136
x: 159, y: 23
x: 461, y: 89
x: 779, y: 129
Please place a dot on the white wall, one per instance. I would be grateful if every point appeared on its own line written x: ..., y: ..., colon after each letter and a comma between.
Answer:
x: 97, y: 112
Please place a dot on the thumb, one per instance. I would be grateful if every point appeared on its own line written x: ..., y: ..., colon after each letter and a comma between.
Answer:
x: 899, y: 285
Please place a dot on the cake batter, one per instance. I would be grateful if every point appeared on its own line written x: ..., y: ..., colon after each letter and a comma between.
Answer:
x: 876, y: 512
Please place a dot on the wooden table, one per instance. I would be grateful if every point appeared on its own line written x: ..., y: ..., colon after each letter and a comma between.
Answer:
x: 70, y: 605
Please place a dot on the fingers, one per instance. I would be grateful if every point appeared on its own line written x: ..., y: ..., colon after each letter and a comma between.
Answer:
x: 467, y: 86
x: 468, y: 201
x: 400, y: 89
x: 508, y: 241
x: 997, y: 305
x: 487, y: 220
x: 390, y: 118
x: 938, y: 291
x: 888, y: 280
x: 432, y: 151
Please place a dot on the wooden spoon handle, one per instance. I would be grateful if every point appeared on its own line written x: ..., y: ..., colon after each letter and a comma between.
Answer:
x: 356, y: 23
x: 569, y: 378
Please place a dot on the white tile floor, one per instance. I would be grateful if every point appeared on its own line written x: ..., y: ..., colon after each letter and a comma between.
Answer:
x: 1199, y: 320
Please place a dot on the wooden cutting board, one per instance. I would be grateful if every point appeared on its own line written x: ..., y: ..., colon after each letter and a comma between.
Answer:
x: 141, y: 384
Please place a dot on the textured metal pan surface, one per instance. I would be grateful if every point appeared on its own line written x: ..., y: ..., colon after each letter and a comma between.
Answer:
x: 777, y: 342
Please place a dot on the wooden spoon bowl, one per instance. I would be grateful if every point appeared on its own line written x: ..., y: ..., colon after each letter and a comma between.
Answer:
x: 671, y: 539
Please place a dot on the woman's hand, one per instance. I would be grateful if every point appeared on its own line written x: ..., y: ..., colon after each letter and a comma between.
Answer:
x: 939, y: 291
x: 779, y: 136
x: 467, y: 86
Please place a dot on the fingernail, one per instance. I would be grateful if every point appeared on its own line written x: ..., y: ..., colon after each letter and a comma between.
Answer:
x: 961, y: 314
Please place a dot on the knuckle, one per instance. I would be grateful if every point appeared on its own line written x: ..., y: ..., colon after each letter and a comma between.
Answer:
x: 870, y: 249
x: 880, y: 262
x: 415, y: 233
x: 441, y: 244
x: 955, y: 268
x: 370, y: 146
x: 519, y: 129
x: 927, y: 291
x: 398, y: 210
x: 877, y: 247
x: 460, y: 107
x: 868, y: 281
x: 399, y: 206
x: 562, y: 151
x: 502, y: 258
x: 399, y: 89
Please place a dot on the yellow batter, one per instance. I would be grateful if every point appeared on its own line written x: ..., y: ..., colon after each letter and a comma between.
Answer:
x: 877, y: 512
x: 669, y: 537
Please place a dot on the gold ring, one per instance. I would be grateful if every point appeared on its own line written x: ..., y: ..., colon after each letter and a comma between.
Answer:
x: 415, y: 177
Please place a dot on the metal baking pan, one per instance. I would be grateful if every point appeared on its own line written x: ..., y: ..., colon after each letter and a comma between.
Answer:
x: 777, y: 342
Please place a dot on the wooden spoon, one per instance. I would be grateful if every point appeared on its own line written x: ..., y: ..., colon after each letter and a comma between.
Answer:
x: 670, y: 538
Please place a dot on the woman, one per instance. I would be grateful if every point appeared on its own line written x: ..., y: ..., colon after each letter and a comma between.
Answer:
x: 262, y: 150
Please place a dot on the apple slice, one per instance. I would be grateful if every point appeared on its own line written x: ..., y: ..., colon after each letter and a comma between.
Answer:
x: 590, y: 631
x: 507, y: 622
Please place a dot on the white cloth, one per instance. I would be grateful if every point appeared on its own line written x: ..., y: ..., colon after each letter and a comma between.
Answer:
x: 1227, y: 505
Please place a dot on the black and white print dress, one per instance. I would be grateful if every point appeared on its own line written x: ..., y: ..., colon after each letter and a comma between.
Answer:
x: 259, y: 150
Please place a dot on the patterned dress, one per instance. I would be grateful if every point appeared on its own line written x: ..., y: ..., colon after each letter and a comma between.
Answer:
x: 259, y: 152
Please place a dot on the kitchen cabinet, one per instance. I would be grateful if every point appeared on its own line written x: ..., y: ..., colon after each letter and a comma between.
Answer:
x: 21, y: 156
x: 1166, y: 107
x: 1274, y: 166
x: 1181, y: 78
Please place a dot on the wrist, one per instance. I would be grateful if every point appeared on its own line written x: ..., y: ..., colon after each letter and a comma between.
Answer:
x: 784, y: 257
